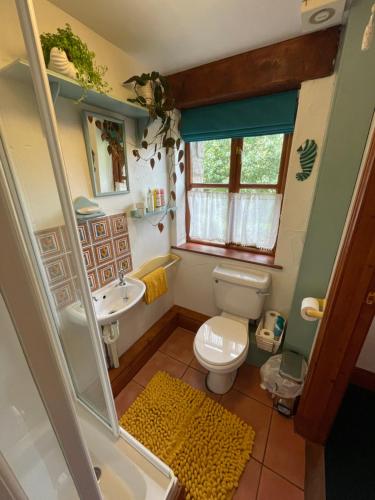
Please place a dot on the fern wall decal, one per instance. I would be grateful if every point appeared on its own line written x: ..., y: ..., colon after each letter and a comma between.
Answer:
x: 307, y: 155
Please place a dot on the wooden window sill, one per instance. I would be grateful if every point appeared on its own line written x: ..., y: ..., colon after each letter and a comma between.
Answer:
x: 230, y: 253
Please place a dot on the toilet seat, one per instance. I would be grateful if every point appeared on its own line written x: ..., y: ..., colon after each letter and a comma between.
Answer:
x: 221, y: 342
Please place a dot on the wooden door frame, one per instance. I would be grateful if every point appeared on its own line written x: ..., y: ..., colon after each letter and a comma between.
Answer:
x: 347, y: 318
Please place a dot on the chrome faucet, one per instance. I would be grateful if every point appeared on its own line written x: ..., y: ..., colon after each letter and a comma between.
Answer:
x: 121, y: 277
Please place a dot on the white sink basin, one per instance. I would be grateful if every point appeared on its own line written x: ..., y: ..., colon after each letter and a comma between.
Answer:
x: 113, y: 300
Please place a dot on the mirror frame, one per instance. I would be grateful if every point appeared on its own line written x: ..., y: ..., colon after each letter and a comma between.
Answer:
x: 102, y: 113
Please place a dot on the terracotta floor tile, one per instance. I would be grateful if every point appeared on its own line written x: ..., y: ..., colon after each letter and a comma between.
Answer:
x: 274, y: 487
x: 248, y: 382
x: 179, y: 346
x: 126, y: 397
x: 198, y: 380
x: 197, y: 366
x: 253, y: 412
x: 159, y: 361
x: 248, y: 487
x: 285, y: 453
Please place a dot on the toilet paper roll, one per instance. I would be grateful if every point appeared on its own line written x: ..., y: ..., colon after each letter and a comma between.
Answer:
x: 309, y: 303
x: 266, y: 335
x: 270, y: 319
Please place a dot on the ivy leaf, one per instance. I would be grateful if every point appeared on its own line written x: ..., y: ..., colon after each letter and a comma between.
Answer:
x: 144, y: 144
x: 90, y: 118
x: 180, y: 155
x: 178, y: 143
x: 169, y: 142
x: 173, y: 195
x: 171, y: 213
x: 145, y: 132
x: 174, y: 177
x: 152, y: 163
x: 98, y: 123
x: 160, y: 227
x: 136, y: 153
x: 159, y: 155
x: 182, y: 167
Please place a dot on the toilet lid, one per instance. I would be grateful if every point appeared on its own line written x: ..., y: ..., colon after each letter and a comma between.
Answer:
x: 219, y: 341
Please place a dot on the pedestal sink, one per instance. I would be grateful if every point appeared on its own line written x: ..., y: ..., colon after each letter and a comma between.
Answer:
x: 113, y: 300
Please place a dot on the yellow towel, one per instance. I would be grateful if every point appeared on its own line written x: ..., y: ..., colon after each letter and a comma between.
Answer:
x: 156, y: 284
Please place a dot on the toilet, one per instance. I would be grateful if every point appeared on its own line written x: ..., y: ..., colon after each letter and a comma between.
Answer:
x: 222, y: 342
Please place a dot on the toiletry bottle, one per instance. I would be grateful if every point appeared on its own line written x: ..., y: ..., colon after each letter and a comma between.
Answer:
x: 150, y: 201
x: 154, y: 197
x: 158, y: 198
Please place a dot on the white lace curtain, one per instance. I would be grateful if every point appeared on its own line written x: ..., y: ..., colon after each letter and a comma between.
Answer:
x: 246, y: 219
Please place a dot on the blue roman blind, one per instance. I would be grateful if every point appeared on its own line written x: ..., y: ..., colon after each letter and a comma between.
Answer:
x: 269, y: 114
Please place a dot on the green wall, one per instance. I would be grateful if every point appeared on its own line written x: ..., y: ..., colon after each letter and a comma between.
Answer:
x: 348, y: 128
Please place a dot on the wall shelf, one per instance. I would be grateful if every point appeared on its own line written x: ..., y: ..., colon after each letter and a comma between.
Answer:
x: 161, y: 211
x: 66, y: 87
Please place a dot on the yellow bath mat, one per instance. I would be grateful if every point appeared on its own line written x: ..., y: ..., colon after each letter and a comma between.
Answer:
x: 205, y: 445
x: 156, y: 284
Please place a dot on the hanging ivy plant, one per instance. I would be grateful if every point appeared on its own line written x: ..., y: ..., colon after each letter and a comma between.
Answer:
x: 162, y: 131
x: 88, y: 74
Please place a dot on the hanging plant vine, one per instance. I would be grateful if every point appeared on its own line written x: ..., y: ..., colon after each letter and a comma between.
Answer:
x: 152, y: 93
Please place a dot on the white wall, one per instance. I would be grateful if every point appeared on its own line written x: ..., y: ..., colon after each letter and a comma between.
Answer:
x: 193, y: 284
x: 29, y: 154
x: 366, y: 359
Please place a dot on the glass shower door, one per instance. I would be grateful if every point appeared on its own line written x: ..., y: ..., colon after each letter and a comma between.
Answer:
x: 41, y: 194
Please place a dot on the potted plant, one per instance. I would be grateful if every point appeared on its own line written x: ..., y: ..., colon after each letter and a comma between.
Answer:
x: 66, y: 53
x: 152, y: 93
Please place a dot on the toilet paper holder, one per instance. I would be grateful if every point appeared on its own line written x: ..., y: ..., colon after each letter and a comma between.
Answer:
x: 317, y: 314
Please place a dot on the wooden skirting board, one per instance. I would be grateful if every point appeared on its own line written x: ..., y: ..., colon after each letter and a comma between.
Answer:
x: 139, y: 353
x: 363, y: 378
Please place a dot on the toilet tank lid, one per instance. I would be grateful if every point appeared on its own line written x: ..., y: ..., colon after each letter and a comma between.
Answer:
x: 242, y: 276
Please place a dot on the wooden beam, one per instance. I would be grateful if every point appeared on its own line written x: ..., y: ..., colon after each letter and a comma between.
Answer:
x: 276, y: 68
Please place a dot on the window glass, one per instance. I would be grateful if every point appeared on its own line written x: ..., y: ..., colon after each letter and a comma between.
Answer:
x: 210, y: 161
x: 261, y: 159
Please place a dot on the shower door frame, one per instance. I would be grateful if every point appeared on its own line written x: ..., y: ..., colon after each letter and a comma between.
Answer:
x: 19, y: 286
x: 48, y: 120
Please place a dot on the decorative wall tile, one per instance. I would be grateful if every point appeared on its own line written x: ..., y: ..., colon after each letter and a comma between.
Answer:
x: 124, y: 264
x: 84, y: 234
x: 88, y: 257
x: 107, y: 273
x: 63, y: 294
x: 100, y: 229
x: 122, y: 246
x: 57, y: 270
x: 119, y: 224
x: 93, y: 280
x: 49, y: 242
x: 106, y: 250
x: 103, y: 252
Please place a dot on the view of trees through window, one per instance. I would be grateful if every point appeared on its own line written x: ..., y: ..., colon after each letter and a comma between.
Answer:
x: 260, y: 160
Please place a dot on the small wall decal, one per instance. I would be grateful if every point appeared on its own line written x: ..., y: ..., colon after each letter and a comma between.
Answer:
x: 307, y: 154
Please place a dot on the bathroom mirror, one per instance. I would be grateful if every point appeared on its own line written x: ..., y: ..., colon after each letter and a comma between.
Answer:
x: 106, y: 153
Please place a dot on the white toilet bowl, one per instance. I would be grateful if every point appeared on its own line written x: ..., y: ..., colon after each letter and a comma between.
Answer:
x: 221, y: 345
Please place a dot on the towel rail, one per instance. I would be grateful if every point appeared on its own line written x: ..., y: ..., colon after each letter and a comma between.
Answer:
x: 166, y: 261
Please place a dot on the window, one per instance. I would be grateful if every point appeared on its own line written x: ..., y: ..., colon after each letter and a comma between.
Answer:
x: 234, y: 191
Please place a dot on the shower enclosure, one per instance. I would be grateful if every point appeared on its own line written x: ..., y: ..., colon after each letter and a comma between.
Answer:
x: 48, y: 353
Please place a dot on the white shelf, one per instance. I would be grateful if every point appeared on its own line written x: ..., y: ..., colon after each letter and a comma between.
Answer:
x: 66, y: 87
